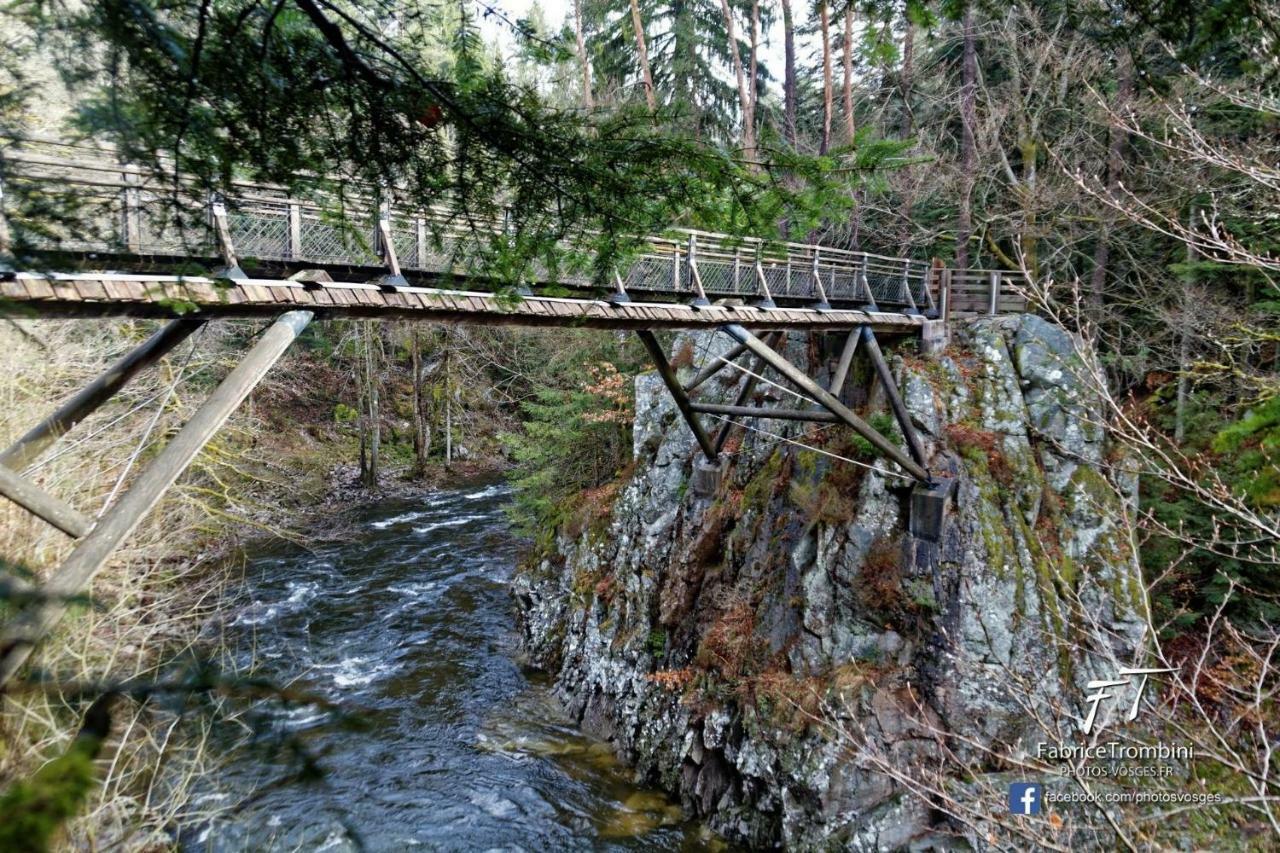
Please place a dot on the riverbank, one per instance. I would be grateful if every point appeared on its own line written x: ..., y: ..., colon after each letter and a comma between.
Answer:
x: 269, y: 474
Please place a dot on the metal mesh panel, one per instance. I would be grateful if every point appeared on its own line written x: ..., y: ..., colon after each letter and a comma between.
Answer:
x: 260, y: 233
x: 843, y: 285
x: 653, y: 272
x: 336, y: 244
x: 784, y: 282
x: 726, y: 278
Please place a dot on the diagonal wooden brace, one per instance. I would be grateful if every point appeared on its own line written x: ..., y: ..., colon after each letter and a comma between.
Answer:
x: 97, y: 392
x: 72, y: 578
x: 43, y: 505
x: 673, y: 385
x: 797, y: 377
x: 895, y: 399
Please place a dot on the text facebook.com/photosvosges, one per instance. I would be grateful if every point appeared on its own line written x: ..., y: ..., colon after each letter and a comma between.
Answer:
x: 1199, y: 798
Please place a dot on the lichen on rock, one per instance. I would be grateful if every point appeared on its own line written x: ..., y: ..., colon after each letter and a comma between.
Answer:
x: 745, y: 635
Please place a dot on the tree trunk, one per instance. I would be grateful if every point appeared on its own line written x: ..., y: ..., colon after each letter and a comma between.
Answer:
x: 643, y: 52
x: 371, y: 431
x: 789, y: 75
x: 754, y: 79
x: 421, y: 430
x: 1115, y: 166
x: 1185, y: 322
x: 908, y: 75
x: 587, y: 100
x: 828, y: 95
x: 744, y: 96
x: 446, y: 368
x: 968, y: 121
x: 849, y: 125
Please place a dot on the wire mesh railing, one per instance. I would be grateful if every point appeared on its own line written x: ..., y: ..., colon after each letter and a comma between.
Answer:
x: 128, y: 211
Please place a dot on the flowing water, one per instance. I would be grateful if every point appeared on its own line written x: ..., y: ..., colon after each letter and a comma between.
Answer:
x: 410, y: 624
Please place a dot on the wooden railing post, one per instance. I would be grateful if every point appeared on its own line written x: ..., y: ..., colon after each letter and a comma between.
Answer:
x: 420, y: 242
x: 295, y: 231
x: 944, y: 294
x: 995, y: 292
x: 131, y: 225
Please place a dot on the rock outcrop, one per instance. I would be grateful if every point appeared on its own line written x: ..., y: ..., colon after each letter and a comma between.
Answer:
x: 771, y: 653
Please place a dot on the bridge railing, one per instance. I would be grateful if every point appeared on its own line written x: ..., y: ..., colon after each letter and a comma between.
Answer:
x: 128, y: 212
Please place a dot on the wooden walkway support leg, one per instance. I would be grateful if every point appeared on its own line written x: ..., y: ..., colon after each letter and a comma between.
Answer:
x: 72, y: 578
x: 895, y: 399
x: 828, y: 402
x: 97, y: 392
x: 744, y: 394
x: 43, y: 505
x: 673, y: 385
x: 846, y: 359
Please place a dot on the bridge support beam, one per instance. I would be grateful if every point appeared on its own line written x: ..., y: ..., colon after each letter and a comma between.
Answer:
x: 97, y: 392
x: 824, y: 398
x: 895, y: 399
x: 682, y: 399
x: 73, y: 577
x: 43, y: 505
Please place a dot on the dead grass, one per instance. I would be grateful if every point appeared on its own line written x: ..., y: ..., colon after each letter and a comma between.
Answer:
x: 151, y: 599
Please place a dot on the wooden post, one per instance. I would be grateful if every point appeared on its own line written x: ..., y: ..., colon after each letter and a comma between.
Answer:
x: 819, y: 292
x: 906, y: 289
x: 714, y: 366
x: 295, y: 231
x: 895, y: 399
x: 740, y: 411
x: 420, y: 243
x: 695, y: 277
x: 944, y: 294
x: 43, y: 505
x: 86, y: 401
x: 827, y: 401
x: 132, y: 214
x: 995, y: 292
x: 744, y: 393
x: 762, y: 283
x: 222, y: 229
x: 73, y: 577
x: 846, y: 359
x: 673, y: 385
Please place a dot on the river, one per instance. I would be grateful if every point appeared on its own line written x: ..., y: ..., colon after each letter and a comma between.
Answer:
x: 409, y: 623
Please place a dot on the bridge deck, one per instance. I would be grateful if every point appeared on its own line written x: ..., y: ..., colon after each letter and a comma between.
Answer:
x: 106, y: 295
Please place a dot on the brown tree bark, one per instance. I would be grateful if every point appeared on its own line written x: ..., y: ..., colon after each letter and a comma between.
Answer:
x: 587, y: 100
x: 371, y: 409
x: 789, y: 74
x: 421, y: 428
x: 828, y: 94
x: 968, y: 121
x: 1115, y: 167
x: 753, y: 80
x: 642, y: 50
x: 849, y: 124
x: 744, y: 96
x: 908, y: 74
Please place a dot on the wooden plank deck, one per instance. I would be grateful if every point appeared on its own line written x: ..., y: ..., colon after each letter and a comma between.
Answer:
x: 140, y: 295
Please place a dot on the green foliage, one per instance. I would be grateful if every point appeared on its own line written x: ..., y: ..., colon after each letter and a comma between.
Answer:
x: 881, y: 422
x: 1253, y: 447
x: 32, y: 811
x: 574, y: 437
x: 344, y: 414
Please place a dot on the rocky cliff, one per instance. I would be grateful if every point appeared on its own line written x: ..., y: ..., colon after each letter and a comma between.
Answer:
x: 770, y: 651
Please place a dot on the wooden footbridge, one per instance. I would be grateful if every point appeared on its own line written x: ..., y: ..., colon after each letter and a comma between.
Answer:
x: 309, y: 261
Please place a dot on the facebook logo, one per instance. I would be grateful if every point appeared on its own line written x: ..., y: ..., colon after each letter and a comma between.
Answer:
x: 1025, y: 798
